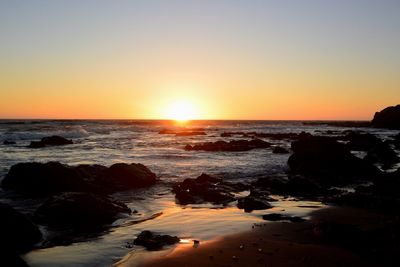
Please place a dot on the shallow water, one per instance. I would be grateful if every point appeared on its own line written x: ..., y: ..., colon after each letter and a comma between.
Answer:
x: 108, y: 142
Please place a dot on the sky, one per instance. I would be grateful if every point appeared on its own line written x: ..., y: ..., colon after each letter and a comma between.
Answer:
x: 207, y: 59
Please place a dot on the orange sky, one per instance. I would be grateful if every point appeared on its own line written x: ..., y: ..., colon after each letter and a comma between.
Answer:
x: 247, y: 60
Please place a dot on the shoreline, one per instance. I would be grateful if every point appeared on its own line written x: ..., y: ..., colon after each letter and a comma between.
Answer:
x: 270, y: 244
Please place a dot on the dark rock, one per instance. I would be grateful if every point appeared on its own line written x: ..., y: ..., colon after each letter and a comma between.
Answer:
x: 234, y: 145
x: 251, y: 203
x: 361, y: 141
x: 352, y: 124
x: 79, y: 210
x: 280, y: 150
x: 274, y: 136
x: 9, y: 142
x: 152, y: 241
x: 189, y: 133
x: 328, y: 162
x: 11, y: 260
x: 396, y: 141
x: 184, y: 132
x: 280, y: 217
x: 387, y: 118
x: 294, y: 185
x: 44, y: 179
x: 54, y: 140
x: 377, y: 150
x: 18, y: 233
x: 205, y: 188
x: 226, y: 134
x: 41, y: 179
x: 122, y: 176
x: 382, y: 153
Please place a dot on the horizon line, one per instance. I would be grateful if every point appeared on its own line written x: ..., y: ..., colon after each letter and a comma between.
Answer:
x: 132, y: 119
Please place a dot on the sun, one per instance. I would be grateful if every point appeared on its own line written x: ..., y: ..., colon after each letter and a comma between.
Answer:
x: 181, y: 111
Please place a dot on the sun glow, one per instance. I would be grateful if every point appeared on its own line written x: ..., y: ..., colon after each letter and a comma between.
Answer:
x: 181, y: 111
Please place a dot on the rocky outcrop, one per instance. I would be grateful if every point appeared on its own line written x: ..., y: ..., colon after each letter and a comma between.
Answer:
x: 18, y: 233
x: 79, y: 210
x: 328, y: 162
x: 234, y: 145
x: 41, y: 179
x: 54, y: 140
x: 153, y: 241
x: 206, y: 188
x: 387, y: 118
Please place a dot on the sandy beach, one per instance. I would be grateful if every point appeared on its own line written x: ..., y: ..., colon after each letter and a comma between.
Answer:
x: 274, y: 244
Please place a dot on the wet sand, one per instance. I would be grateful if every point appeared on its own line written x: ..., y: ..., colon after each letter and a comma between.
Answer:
x: 271, y: 244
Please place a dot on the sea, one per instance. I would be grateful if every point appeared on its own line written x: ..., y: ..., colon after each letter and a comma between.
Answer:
x: 107, y: 142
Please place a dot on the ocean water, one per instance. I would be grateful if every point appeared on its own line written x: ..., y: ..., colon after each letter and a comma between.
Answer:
x: 108, y: 142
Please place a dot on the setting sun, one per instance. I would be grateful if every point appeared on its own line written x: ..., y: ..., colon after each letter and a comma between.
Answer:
x: 181, y: 111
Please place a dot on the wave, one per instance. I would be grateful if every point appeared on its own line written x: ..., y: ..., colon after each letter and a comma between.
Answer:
x: 73, y: 132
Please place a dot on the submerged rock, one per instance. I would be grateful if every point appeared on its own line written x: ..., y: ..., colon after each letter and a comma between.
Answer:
x: 9, y: 142
x: 387, y: 118
x: 152, y: 241
x: 79, y: 210
x: 234, y: 145
x: 184, y: 132
x: 280, y: 150
x: 41, y: 179
x: 206, y: 188
x: 17, y: 233
x: 280, y: 217
x: 190, y: 133
x: 274, y: 136
x: 251, y: 203
x: 54, y: 140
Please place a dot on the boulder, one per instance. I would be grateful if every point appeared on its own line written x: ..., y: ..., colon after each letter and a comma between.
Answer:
x: 153, y: 241
x: 251, y: 203
x: 328, y: 162
x: 38, y: 179
x: 54, y: 140
x: 79, y: 210
x: 18, y: 233
x: 122, y: 176
x: 41, y: 179
x: 234, y: 145
x: 205, y: 188
x: 387, y: 118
